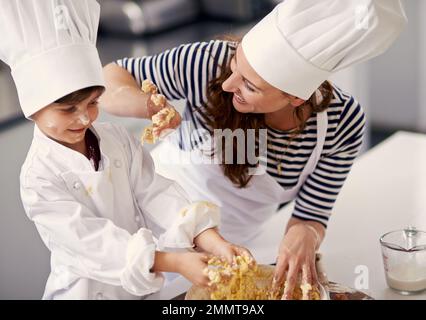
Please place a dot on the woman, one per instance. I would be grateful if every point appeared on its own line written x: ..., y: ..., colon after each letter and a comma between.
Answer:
x: 275, y: 79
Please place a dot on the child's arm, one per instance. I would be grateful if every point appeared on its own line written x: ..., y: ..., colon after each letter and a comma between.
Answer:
x: 91, y: 246
x: 189, y: 264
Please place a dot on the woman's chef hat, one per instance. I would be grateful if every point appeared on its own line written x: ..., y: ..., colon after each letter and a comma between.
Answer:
x: 50, y: 46
x: 301, y: 42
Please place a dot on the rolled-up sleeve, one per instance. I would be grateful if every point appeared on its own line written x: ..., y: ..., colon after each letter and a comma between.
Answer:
x: 91, y: 246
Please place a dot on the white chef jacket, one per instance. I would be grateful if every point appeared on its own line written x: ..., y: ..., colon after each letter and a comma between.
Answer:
x: 103, y: 227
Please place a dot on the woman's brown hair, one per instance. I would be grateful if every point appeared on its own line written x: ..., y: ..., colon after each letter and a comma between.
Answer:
x: 221, y: 114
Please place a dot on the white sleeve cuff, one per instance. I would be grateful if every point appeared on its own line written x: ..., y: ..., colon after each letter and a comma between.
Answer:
x: 136, y: 277
x: 190, y: 222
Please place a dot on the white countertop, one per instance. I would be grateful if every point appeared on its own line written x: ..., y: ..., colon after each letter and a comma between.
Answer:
x: 385, y: 191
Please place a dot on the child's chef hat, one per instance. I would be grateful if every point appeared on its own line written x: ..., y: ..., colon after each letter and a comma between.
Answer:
x: 301, y: 42
x: 50, y: 48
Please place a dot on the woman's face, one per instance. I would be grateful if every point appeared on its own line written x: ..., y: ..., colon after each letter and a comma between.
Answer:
x: 67, y: 124
x: 252, y: 94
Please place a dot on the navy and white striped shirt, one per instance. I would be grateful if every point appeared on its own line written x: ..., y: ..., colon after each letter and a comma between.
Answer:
x: 184, y: 73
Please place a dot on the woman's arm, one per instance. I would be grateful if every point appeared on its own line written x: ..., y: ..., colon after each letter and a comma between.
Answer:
x: 315, y: 227
x: 123, y: 96
x: 306, y: 229
x: 179, y: 73
x: 296, y: 254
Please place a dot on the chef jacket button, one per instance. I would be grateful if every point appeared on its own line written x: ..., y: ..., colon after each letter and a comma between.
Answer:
x: 99, y: 296
x: 117, y: 163
x: 76, y: 185
x: 137, y: 219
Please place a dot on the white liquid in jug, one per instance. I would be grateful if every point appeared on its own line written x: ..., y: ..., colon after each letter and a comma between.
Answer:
x: 407, y: 278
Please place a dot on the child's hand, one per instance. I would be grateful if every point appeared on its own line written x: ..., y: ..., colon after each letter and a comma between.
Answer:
x: 211, y: 241
x: 229, y: 250
x: 191, y: 265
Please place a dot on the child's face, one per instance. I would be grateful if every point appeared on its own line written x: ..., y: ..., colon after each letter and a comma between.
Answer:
x: 67, y: 124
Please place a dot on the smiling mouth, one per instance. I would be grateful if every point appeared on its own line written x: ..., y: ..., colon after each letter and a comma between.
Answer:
x: 238, y: 98
x: 77, y: 130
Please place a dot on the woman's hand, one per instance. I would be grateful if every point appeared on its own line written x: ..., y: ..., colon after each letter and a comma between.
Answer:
x: 297, y: 256
x: 211, y: 241
x: 160, y: 131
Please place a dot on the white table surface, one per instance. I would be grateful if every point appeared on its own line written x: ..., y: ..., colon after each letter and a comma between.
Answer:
x: 385, y: 191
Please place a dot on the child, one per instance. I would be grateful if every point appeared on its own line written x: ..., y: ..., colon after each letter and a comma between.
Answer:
x: 90, y: 188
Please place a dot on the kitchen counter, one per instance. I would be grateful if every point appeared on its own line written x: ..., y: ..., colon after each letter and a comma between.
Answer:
x: 385, y: 191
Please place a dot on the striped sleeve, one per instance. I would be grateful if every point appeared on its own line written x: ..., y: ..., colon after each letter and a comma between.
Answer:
x: 182, y: 72
x: 318, y: 194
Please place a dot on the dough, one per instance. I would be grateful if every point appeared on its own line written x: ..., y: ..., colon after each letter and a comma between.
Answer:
x: 161, y: 118
x: 245, y: 280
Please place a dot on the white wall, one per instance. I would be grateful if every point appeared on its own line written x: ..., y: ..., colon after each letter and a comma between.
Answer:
x: 397, y: 80
x: 392, y: 87
x: 421, y: 123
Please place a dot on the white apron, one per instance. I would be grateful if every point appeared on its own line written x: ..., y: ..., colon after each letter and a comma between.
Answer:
x: 246, y: 214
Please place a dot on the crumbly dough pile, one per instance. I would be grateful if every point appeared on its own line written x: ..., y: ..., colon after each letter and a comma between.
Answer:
x: 245, y: 280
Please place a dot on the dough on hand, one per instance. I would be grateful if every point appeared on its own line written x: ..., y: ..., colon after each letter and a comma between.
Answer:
x: 149, y: 87
x: 159, y: 100
x: 161, y: 118
x: 148, y: 135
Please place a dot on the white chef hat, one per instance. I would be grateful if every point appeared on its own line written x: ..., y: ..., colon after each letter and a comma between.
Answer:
x: 50, y: 46
x: 300, y: 43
